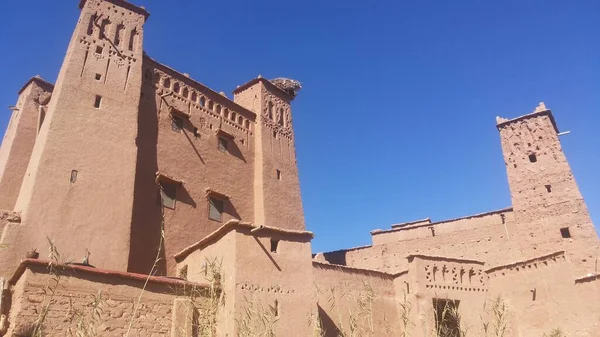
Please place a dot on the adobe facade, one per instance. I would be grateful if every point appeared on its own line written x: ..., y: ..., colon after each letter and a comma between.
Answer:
x: 177, y: 212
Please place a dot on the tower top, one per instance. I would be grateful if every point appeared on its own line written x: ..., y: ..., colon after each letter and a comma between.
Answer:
x: 125, y: 4
x: 286, y: 87
x: 540, y: 110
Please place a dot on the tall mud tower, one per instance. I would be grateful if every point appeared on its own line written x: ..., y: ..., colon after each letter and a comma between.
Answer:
x: 550, y: 212
x: 78, y: 187
x: 277, y: 200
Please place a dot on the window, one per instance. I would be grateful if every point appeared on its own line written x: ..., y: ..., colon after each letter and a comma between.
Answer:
x: 278, y: 174
x: 194, y: 96
x: 185, y: 92
x: 99, y: 49
x: 167, y: 83
x: 168, y: 194
x: 176, y: 123
x: 532, y: 158
x: 97, y: 102
x: 222, y: 144
x: 215, y: 209
x: 226, y: 113
x: 176, y: 87
x: 202, y: 101
x: 548, y: 188
x: 218, y: 109
x: 447, y: 319
x: 270, y: 110
x: 98, y: 77
x: 73, y: 176
x: 276, y: 308
x: 565, y: 233
x: 274, y: 245
x: 210, y: 105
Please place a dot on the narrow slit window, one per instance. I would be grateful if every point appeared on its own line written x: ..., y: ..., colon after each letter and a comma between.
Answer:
x: 549, y: 188
x: 97, y: 102
x: 215, y: 209
x: 276, y: 308
x: 274, y: 245
x: 73, y: 176
x: 278, y: 174
x: 532, y: 158
x: 565, y: 233
x: 168, y: 194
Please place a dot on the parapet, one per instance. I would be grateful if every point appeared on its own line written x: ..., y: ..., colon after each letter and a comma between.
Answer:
x: 540, y: 110
x: 125, y: 4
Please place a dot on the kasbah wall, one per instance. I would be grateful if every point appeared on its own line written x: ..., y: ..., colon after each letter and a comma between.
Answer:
x: 172, y: 210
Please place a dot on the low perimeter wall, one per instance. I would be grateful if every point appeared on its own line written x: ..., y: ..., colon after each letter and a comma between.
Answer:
x: 78, y: 300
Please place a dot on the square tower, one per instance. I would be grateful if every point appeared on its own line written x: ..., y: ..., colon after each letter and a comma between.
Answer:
x: 78, y: 186
x: 550, y: 212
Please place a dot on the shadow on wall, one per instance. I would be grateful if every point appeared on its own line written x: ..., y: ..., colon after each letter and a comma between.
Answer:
x: 235, y: 151
x: 184, y: 196
x: 146, y: 224
x: 328, y: 325
x: 187, y: 130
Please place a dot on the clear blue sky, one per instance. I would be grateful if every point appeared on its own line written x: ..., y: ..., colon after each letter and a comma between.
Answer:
x: 396, y: 120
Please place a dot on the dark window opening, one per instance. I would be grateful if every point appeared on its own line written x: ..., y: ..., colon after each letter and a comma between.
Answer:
x: 565, y: 233
x: 168, y: 194
x: 176, y: 87
x: 99, y: 49
x: 447, y: 318
x: 167, y: 83
x: 548, y: 188
x: 176, y: 123
x: 215, y: 209
x: 222, y: 144
x: 533, y: 294
x: 532, y: 158
x: 276, y: 309
x: 97, y: 102
x: 210, y: 105
x: 275, y: 134
x: 202, y: 101
x: 73, y: 176
x: 98, y: 77
x: 274, y: 245
x: 278, y: 174
x: 270, y: 110
x: 132, y: 38
x: 432, y: 231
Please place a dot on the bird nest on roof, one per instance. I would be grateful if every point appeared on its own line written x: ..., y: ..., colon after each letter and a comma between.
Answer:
x: 291, y: 87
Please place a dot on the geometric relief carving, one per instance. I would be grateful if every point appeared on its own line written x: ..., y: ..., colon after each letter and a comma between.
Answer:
x: 454, y: 276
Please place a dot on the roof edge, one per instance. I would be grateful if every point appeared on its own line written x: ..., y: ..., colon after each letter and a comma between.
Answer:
x: 230, y: 225
x: 538, y: 258
x: 478, y: 215
x: 503, y: 122
x: 26, y: 263
x: 250, y: 113
x: 125, y: 4
x: 437, y: 257
x: 266, y: 83
x: 354, y: 269
x: 40, y: 81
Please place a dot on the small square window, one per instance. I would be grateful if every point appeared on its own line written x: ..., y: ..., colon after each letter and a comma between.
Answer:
x: 176, y: 123
x: 565, y: 233
x: 97, y: 102
x: 274, y: 245
x: 222, y: 144
x: 99, y: 49
x: 215, y: 209
x: 168, y: 194
x: 98, y: 77
x: 532, y: 158
x: 278, y: 174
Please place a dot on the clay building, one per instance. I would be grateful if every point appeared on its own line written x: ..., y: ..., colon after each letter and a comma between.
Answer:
x: 174, y: 210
